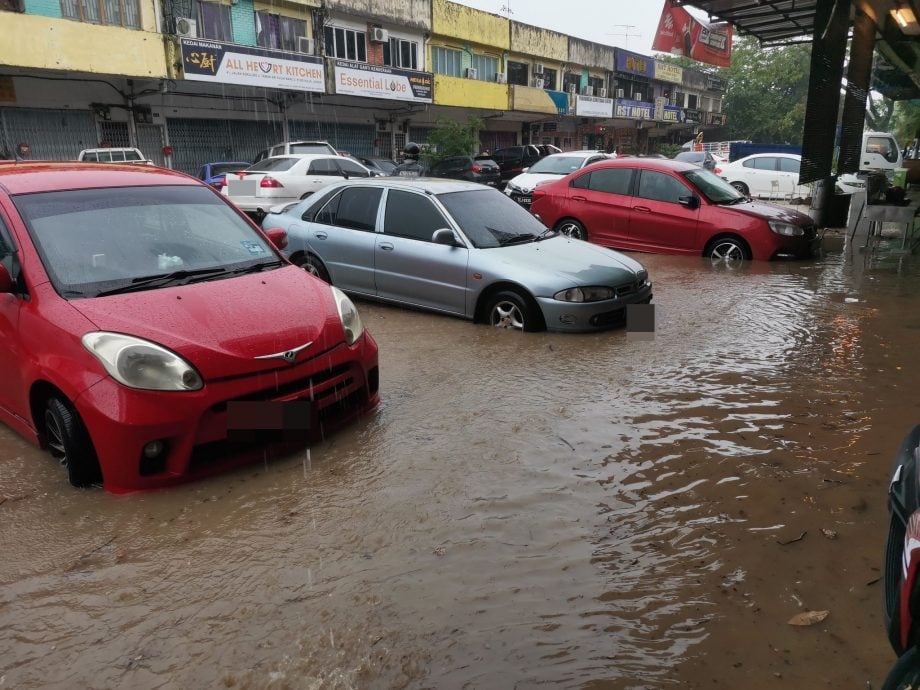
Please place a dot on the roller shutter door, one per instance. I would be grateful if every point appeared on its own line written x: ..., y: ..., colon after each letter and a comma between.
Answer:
x: 358, y: 140
x: 197, y: 141
x: 51, y: 134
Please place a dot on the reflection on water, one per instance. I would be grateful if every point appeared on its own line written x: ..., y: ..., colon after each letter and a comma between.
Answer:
x: 522, y: 509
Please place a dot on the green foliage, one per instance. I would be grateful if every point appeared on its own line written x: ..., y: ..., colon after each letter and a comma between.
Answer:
x: 905, y: 122
x: 453, y: 139
x: 669, y: 150
x: 767, y: 89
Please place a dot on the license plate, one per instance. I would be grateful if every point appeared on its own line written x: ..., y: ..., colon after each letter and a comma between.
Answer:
x: 524, y: 200
x: 242, y: 187
x: 267, y: 419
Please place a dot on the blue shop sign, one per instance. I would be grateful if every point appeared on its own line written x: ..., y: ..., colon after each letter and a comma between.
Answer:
x: 633, y: 110
x: 633, y: 63
x: 561, y: 101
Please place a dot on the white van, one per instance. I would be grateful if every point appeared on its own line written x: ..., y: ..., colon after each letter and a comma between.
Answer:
x: 880, y: 151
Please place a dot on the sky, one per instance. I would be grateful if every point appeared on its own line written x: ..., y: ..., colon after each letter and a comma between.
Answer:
x: 606, y: 22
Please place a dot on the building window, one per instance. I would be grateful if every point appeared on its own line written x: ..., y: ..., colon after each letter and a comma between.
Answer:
x: 214, y: 21
x: 12, y: 5
x: 486, y: 67
x: 346, y: 44
x: 692, y: 101
x: 275, y: 31
x: 596, y: 83
x: 549, y: 79
x: 517, y: 73
x: 680, y: 99
x: 109, y: 12
x: 400, y: 53
x: 446, y: 61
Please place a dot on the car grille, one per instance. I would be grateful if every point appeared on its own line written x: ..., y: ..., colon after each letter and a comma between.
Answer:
x: 313, y: 386
x: 628, y: 288
x: 609, y: 319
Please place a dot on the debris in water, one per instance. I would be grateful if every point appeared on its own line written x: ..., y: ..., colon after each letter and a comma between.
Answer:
x: 792, y: 541
x: 808, y: 617
x: 829, y: 533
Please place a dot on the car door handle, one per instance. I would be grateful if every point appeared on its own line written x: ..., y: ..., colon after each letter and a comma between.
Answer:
x: 642, y: 209
x: 320, y: 235
x: 386, y: 246
x: 579, y: 198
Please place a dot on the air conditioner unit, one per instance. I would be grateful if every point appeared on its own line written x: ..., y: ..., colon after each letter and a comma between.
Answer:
x: 186, y: 27
x: 501, y: 78
x: 621, y: 93
x: 538, y: 68
x: 305, y: 45
x: 379, y: 35
x: 587, y: 91
x: 637, y: 96
x: 602, y: 93
x: 538, y: 83
x: 472, y: 73
x: 571, y: 88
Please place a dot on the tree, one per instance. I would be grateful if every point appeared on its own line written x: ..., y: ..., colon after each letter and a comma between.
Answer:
x: 451, y: 138
x: 879, y: 112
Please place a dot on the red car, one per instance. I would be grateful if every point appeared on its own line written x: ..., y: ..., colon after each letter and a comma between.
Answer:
x: 149, y: 333
x: 664, y: 206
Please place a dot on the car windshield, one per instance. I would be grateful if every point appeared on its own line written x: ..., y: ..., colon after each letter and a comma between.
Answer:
x: 713, y: 187
x: 311, y: 148
x: 98, y: 240
x: 557, y: 165
x: 273, y: 165
x: 491, y: 219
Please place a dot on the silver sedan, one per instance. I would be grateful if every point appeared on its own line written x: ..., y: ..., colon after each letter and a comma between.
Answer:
x: 458, y: 248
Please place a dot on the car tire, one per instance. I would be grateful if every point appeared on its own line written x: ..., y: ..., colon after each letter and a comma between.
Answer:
x: 891, y: 578
x: 905, y: 674
x: 742, y: 188
x: 573, y: 229
x: 313, y: 265
x: 728, y: 250
x: 68, y: 442
x: 510, y: 309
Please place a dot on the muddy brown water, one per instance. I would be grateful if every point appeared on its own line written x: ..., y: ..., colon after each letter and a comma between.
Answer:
x: 589, y: 511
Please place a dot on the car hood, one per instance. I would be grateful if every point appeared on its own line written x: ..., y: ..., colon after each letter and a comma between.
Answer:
x: 770, y: 211
x: 527, y: 181
x: 221, y: 326
x: 572, y: 262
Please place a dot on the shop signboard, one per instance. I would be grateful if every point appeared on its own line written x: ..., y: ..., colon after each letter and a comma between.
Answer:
x: 680, y: 33
x: 380, y: 81
x: 592, y: 106
x: 633, y: 63
x: 633, y: 110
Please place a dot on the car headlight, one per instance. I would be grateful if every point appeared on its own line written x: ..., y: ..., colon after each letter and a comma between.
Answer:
x: 642, y: 276
x: 139, y: 363
x: 513, y: 187
x: 348, y: 314
x: 584, y: 294
x: 786, y: 229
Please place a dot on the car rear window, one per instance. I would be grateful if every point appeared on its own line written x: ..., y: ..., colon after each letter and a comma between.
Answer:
x: 311, y: 148
x: 273, y: 165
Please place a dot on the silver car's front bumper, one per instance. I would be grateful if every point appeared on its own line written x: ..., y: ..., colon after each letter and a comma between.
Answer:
x: 580, y: 317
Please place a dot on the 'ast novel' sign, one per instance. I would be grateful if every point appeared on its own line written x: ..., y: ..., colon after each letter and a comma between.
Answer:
x: 225, y: 63
x: 379, y: 81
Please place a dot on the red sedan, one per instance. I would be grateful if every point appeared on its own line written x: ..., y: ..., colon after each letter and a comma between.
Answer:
x: 669, y: 207
x: 149, y: 333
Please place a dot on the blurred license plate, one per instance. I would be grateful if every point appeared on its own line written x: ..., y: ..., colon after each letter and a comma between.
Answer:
x: 525, y: 200
x: 267, y: 419
x: 242, y: 187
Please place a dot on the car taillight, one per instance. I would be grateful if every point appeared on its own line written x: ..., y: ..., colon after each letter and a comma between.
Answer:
x: 718, y: 171
x: 223, y: 182
x: 477, y: 168
x: 270, y: 182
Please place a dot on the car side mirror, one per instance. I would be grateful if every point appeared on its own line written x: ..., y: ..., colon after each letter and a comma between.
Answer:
x: 445, y: 236
x: 691, y: 201
x: 278, y: 237
x: 523, y: 170
x: 6, y: 280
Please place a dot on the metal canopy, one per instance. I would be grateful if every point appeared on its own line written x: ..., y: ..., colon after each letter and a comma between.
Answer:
x: 771, y: 21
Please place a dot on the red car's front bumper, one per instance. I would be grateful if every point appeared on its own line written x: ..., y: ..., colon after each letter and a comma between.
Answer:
x: 341, y: 384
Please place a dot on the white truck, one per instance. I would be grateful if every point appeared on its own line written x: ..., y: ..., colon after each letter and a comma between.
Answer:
x: 880, y: 151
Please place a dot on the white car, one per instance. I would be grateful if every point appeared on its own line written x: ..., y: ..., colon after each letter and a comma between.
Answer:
x: 282, y: 179
x: 551, y: 167
x: 766, y: 176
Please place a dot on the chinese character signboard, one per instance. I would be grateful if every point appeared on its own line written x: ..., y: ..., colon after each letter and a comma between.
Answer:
x: 225, y: 63
x: 379, y: 81
x: 591, y: 106
x: 681, y: 34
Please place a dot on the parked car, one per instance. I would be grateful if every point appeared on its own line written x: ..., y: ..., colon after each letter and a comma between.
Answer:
x: 551, y: 167
x: 382, y: 166
x: 459, y: 248
x: 119, y: 154
x: 703, y: 159
x: 282, y: 179
x: 213, y: 173
x: 766, y: 176
x: 513, y: 159
x: 288, y: 147
x: 482, y: 170
x: 670, y: 207
x: 147, y: 326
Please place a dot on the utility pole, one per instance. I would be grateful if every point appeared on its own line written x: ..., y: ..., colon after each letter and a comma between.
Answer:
x: 625, y: 33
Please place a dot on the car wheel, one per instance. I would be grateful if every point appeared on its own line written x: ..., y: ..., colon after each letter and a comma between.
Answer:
x: 742, y: 188
x: 312, y: 265
x: 905, y: 674
x: 573, y: 229
x: 728, y: 250
x: 68, y: 442
x: 508, y: 309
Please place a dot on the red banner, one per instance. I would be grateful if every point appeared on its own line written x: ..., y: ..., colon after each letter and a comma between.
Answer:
x: 681, y: 34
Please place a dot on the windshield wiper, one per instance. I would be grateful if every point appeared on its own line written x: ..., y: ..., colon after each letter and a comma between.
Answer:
x: 546, y: 234
x: 162, y: 280
x: 517, y: 239
x: 256, y: 268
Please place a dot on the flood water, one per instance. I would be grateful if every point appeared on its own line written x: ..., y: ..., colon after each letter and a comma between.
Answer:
x: 578, y: 511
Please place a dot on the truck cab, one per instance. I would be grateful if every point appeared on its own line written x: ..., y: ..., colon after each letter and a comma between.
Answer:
x: 879, y: 152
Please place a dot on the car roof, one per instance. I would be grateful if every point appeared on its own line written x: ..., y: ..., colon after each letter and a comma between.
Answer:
x: 301, y: 156
x: 433, y: 185
x: 24, y: 177
x: 576, y: 154
x: 660, y: 164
